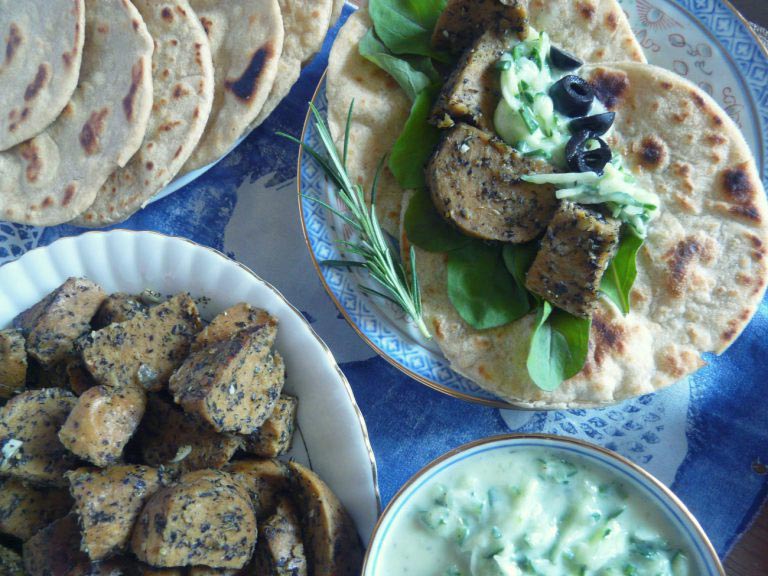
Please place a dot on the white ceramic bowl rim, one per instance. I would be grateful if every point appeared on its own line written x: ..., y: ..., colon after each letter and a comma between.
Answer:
x: 646, y: 484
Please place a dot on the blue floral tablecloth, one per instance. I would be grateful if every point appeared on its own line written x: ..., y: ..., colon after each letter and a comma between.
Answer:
x: 706, y: 437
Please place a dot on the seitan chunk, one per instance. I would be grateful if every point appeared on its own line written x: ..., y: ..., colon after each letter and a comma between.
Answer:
x: 204, y: 519
x: 236, y: 319
x: 264, y: 480
x: 121, y: 566
x: 233, y: 384
x: 13, y: 362
x: 54, y: 550
x: 168, y: 436
x: 274, y: 436
x: 146, y: 349
x: 25, y: 509
x: 330, y: 538
x: 78, y: 378
x: 472, y: 91
x: 108, y: 502
x: 53, y: 376
x: 52, y: 325
x: 279, y: 548
x: 474, y: 180
x: 118, y: 307
x: 574, y: 254
x: 102, y: 422
x: 11, y: 563
x: 30, y: 447
x: 464, y: 20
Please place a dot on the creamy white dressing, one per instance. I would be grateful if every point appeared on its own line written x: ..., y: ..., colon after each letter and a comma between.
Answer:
x: 529, y: 511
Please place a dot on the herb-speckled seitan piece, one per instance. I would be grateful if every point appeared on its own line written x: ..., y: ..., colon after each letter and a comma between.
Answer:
x: 146, y: 349
x: 108, y: 502
x: 274, y: 436
x: 205, y: 519
x: 13, y: 362
x: 118, y: 307
x: 330, y: 538
x: 102, y: 422
x: 233, y: 384
x: 54, y: 550
x: 461, y: 21
x: 280, y: 549
x: 574, y: 254
x: 10, y: 563
x: 78, y: 378
x: 142, y: 569
x: 264, y: 480
x: 29, y: 445
x: 235, y: 319
x: 52, y: 325
x: 25, y: 508
x: 167, y: 436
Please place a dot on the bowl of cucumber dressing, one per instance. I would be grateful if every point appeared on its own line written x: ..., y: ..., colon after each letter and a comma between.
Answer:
x: 537, y: 505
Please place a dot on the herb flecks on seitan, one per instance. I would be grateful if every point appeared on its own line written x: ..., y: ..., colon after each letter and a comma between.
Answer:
x: 474, y: 183
x: 574, y: 254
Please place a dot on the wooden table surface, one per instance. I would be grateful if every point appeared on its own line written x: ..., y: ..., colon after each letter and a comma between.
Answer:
x: 749, y: 556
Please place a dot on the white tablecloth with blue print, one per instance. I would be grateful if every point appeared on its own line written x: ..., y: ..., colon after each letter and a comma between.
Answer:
x: 706, y: 437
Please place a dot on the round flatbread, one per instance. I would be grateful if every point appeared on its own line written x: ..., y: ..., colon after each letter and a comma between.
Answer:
x: 182, y: 78
x: 305, y: 24
x: 43, y: 50
x: 55, y: 176
x: 701, y: 272
x: 246, y: 41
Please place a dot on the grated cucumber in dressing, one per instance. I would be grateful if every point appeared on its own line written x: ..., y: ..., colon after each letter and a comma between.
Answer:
x: 529, y: 512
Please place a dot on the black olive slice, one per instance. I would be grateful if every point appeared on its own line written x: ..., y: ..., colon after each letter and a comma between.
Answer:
x: 572, y: 95
x: 581, y: 159
x: 564, y: 60
x: 598, y: 124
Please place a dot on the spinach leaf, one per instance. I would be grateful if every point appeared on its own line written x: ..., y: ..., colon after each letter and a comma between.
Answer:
x: 426, y: 229
x: 622, y: 271
x: 413, y: 74
x: 518, y: 259
x: 405, y: 26
x: 415, y: 144
x: 558, y: 347
x: 481, y: 288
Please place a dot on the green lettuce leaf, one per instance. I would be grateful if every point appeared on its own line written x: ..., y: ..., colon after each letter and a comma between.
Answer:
x: 621, y: 273
x: 481, y: 288
x: 415, y: 144
x: 405, y: 26
x: 426, y: 229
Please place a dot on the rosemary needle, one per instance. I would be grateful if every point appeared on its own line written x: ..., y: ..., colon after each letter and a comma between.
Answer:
x: 375, y: 252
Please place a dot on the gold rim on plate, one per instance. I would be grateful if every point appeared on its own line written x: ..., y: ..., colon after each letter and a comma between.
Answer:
x: 647, y: 476
x: 326, y: 350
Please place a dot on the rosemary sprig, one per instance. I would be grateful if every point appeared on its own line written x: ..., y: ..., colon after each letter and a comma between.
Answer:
x: 375, y: 252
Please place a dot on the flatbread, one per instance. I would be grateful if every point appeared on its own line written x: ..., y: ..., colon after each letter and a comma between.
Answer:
x: 182, y: 78
x: 596, y: 30
x: 56, y: 175
x: 42, y: 48
x: 701, y: 274
x: 305, y: 24
x: 338, y: 7
x: 247, y: 41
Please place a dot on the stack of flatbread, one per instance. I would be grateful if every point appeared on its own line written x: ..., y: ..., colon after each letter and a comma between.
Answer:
x: 106, y: 101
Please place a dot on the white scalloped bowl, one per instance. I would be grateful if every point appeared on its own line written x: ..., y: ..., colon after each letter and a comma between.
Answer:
x: 331, y: 434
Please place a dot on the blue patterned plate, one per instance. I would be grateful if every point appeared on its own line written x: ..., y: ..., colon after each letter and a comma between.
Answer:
x: 705, y: 41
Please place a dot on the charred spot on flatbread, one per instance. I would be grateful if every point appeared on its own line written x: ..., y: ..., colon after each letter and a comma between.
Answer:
x: 31, y: 155
x: 681, y: 259
x: 586, y: 9
x: 739, y: 189
x: 652, y: 154
x: 137, y: 78
x: 34, y: 87
x: 69, y: 193
x: 245, y: 87
x: 12, y: 43
x: 610, y: 86
x: 607, y: 338
x: 92, y: 131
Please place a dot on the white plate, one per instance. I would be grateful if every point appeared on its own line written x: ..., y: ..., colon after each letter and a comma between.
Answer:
x: 331, y: 436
